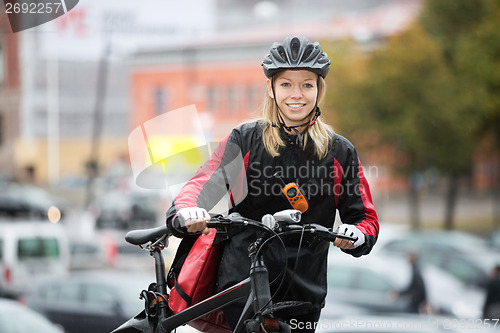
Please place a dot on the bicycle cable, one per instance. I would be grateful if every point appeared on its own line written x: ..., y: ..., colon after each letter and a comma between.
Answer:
x: 153, y: 297
x: 302, y: 232
x: 296, y: 263
x: 259, y: 250
x: 282, y: 274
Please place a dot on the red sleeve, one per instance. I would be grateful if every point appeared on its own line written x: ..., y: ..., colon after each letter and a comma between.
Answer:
x: 223, y: 172
x: 355, y: 204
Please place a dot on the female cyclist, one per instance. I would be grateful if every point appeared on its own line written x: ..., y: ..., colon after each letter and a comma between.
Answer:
x: 290, y: 143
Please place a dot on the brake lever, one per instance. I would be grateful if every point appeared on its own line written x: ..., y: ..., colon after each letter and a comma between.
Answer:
x: 332, y: 235
x: 228, y: 221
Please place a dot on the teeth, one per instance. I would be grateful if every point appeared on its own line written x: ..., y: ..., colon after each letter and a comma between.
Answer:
x: 295, y: 105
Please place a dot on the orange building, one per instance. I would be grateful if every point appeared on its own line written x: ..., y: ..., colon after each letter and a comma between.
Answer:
x: 223, y: 76
x: 225, y: 82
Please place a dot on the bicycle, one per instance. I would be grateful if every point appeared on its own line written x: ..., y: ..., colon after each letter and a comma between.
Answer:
x: 259, y: 312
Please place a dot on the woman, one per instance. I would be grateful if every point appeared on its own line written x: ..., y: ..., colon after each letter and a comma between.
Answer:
x: 293, y: 142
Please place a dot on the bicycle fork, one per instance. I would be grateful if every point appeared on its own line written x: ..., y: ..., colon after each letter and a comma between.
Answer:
x: 254, y: 317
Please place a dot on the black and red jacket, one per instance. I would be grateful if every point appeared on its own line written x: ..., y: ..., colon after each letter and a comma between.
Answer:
x: 242, y: 164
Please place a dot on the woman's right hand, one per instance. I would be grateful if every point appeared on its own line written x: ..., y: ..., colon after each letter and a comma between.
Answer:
x: 194, y: 219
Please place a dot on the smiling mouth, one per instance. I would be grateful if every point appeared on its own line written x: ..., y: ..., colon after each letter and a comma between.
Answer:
x: 296, y: 105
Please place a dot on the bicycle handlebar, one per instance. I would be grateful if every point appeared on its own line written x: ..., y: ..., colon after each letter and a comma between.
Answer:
x: 277, y: 225
x: 142, y: 236
x: 316, y: 229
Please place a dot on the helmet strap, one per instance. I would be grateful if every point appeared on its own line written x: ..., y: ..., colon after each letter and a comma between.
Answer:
x: 316, y: 107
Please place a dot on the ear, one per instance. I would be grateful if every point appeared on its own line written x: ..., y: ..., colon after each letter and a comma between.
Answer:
x: 269, y: 83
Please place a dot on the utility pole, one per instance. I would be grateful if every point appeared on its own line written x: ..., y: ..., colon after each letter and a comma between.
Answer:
x: 97, y: 123
x: 53, y: 120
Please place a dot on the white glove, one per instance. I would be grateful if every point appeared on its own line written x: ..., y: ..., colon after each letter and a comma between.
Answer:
x: 191, y: 213
x: 351, y: 230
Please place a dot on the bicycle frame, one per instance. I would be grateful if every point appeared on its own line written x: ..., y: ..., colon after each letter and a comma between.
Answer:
x: 256, y: 287
x: 258, y: 277
x: 213, y: 303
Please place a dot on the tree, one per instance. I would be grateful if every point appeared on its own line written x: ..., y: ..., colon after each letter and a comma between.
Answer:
x: 412, y: 100
x: 478, y: 61
x: 448, y: 20
x: 468, y: 34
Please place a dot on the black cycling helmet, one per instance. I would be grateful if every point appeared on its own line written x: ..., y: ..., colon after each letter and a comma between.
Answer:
x: 296, y: 53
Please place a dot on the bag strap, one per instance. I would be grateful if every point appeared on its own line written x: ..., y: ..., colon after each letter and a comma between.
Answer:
x: 180, y: 256
x: 182, y: 293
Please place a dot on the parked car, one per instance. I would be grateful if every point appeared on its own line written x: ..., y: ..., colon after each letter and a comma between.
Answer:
x: 465, y: 256
x: 494, y: 239
x: 127, y: 210
x: 92, y: 301
x: 132, y: 257
x: 31, y: 251
x: 24, y: 201
x: 108, y: 249
x: 92, y: 253
x: 373, y: 283
x: 17, y: 318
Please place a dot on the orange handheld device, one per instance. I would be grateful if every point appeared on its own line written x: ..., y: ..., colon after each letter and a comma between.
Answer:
x: 293, y: 195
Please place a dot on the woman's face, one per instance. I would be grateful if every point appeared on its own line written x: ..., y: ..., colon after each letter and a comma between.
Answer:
x: 295, y: 92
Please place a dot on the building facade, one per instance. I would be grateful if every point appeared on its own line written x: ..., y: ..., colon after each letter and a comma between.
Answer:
x: 223, y: 76
x: 10, y: 93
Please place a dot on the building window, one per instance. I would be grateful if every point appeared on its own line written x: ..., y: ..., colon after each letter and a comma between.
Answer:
x: 232, y: 99
x: 2, y: 132
x: 254, y: 97
x: 212, y: 98
x: 160, y: 97
x: 2, y: 65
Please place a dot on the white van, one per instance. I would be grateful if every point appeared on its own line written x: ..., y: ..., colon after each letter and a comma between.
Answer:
x: 30, y: 251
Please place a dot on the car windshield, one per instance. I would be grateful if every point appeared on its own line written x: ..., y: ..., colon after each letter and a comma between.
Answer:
x: 37, y: 248
x: 31, y: 322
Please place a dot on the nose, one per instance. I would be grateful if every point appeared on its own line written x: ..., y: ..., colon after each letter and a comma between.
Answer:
x: 296, y: 92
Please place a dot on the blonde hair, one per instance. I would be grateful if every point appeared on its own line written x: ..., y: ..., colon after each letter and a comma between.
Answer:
x: 320, y: 133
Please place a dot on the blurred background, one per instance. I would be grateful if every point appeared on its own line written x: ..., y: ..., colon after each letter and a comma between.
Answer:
x: 414, y: 85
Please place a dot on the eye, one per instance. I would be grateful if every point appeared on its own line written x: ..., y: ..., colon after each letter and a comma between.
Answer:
x: 285, y: 84
x: 308, y: 85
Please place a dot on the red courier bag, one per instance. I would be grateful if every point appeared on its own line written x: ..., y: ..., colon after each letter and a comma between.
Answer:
x: 192, y: 279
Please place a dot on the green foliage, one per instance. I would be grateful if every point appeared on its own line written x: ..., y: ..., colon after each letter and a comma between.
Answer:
x: 448, y: 20
x: 410, y: 98
x: 343, y: 107
x: 478, y: 62
x: 470, y: 39
x: 431, y: 92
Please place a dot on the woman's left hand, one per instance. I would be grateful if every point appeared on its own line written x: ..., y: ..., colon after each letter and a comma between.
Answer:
x: 350, y: 230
